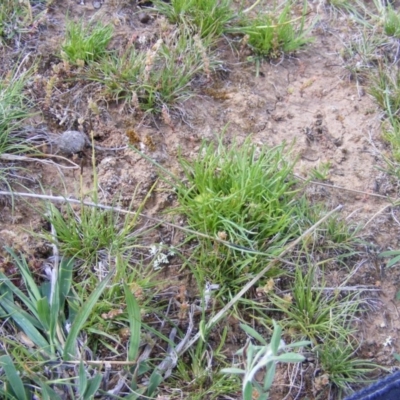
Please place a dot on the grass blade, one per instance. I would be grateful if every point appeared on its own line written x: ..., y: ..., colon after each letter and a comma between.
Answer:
x: 135, y: 323
x: 26, y: 300
x: 93, y: 386
x: 65, y: 279
x: 82, y: 385
x: 253, y: 333
x: 82, y: 316
x: 21, y: 318
x: 13, y: 377
x: 30, y: 284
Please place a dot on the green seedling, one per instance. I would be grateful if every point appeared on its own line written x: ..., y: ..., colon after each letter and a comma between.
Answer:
x: 274, y: 33
x: 321, y: 171
x: 341, y: 366
x: 314, y: 314
x: 394, y: 256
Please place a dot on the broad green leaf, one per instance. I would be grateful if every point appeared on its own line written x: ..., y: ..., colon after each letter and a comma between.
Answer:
x: 389, y: 253
x: 93, y: 386
x: 82, y: 316
x: 82, y: 384
x: 248, y: 391
x: 6, y: 291
x: 135, y: 323
x: 65, y: 279
x: 393, y: 261
x: 45, y: 289
x: 23, y: 267
x: 7, y: 305
x: 253, y: 333
x: 276, y: 338
x: 25, y: 299
x: 202, y: 330
x: 43, y: 310
x: 154, y: 381
x: 73, y: 308
x: 233, y: 370
x: 302, y: 343
x: 290, y: 358
x: 13, y: 377
x: 47, y: 392
x: 3, y: 313
x: 269, y: 376
x: 21, y: 318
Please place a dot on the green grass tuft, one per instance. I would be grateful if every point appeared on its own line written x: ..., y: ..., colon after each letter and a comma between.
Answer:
x: 158, y: 79
x: 208, y: 18
x: 245, y: 194
x: 273, y: 33
x: 85, y: 43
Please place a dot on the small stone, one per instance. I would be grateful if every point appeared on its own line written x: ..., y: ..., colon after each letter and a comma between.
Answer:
x: 144, y: 18
x: 71, y: 142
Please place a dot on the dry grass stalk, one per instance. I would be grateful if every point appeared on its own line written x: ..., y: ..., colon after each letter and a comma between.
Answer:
x: 150, y: 57
x: 204, y: 57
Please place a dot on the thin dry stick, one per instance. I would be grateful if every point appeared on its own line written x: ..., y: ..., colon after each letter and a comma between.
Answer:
x: 376, y: 214
x: 86, y: 362
x: 381, y: 196
x: 15, y: 157
x: 251, y: 7
x: 222, y: 312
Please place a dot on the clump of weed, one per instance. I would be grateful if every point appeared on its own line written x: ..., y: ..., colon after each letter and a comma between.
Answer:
x: 158, y: 79
x: 63, y: 320
x: 309, y: 312
x: 245, y: 194
x: 391, y: 24
x: 340, y: 365
x: 392, y: 135
x: 14, y: 16
x: 208, y: 18
x: 15, y: 109
x: 321, y: 171
x: 273, y: 33
x: 86, y: 233
x: 385, y: 88
x: 85, y: 43
x: 247, y: 198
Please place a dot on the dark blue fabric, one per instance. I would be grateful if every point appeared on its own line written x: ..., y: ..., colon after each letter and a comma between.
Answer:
x: 387, y: 388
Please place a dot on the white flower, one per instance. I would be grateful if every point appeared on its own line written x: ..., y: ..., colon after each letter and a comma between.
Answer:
x: 388, y: 341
